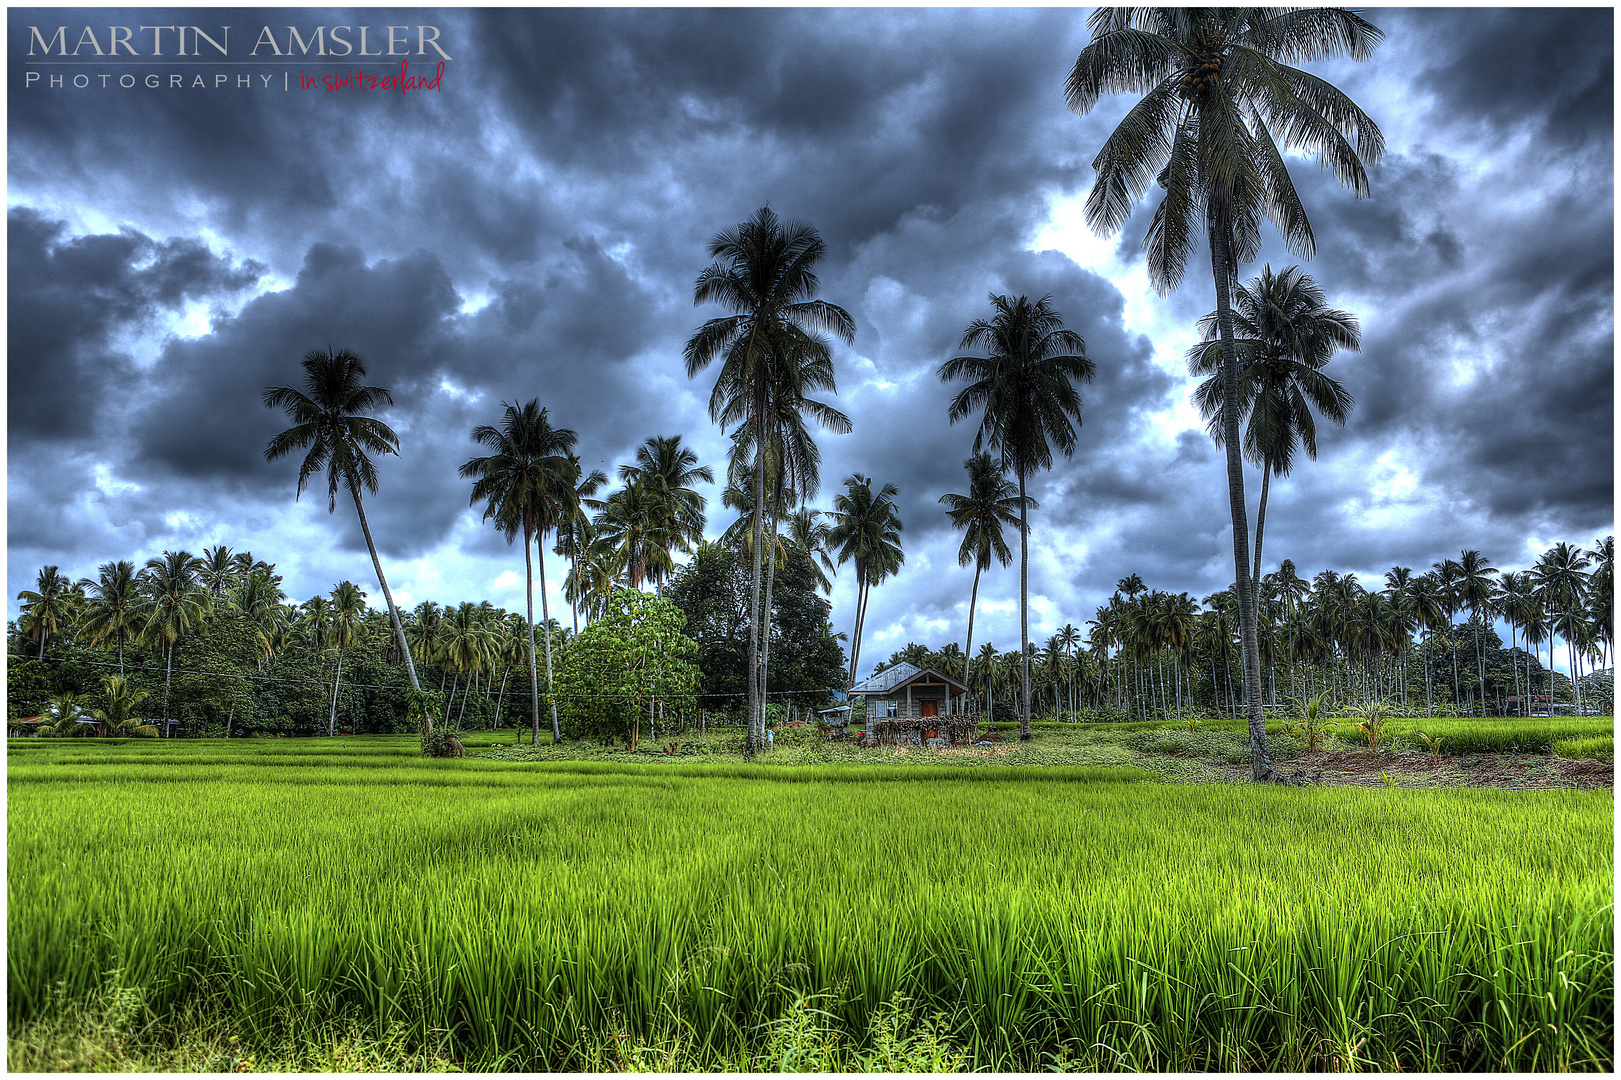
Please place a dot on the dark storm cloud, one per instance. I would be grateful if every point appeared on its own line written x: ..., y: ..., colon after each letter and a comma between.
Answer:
x: 1523, y: 67
x: 70, y: 296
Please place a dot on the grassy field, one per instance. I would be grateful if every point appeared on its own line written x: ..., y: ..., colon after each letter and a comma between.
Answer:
x: 338, y: 903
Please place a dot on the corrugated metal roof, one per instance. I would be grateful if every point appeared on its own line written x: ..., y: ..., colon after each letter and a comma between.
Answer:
x: 886, y: 679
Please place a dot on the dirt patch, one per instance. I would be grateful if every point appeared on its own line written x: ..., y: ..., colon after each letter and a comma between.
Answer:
x: 1413, y: 768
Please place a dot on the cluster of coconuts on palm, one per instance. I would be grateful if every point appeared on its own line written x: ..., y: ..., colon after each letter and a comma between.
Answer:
x: 1199, y: 80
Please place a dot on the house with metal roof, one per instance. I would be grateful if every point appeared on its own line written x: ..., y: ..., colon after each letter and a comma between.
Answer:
x: 907, y: 704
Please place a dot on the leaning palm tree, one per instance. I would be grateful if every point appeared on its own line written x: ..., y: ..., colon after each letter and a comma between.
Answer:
x: 173, y: 602
x: 1024, y: 390
x: 992, y: 501
x: 1285, y: 333
x: 519, y: 484
x: 111, y: 600
x: 866, y: 530
x: 765, y: 273
x: 1219, y: 97
x: 330, y: 421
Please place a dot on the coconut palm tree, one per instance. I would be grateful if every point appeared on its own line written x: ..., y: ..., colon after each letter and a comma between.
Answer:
x: 63, y: 714
x: 1475, y: 587
x: 526, y: 484
x: 632, y: 527
x: 1284, y: 334
x: 808, y: 540
x: 1024, y: 390
x: 47, y: 606
x: 259, y: 598
x: 331, y: 422
x: 668, y: 469
x: 117, y: 715
x: 173, y: 603
x: 574, y: 527
x: 867, y: 531
x: 1562, y: 586
x: 111, y: 600
x: 219, y: 570
x: 468, y: 647
x: 1220, y: 100
x: 992, y: 501
x: 344, y: 628
x: 765, y: 273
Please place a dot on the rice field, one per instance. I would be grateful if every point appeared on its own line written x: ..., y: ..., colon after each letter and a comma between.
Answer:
x: 703, y: 916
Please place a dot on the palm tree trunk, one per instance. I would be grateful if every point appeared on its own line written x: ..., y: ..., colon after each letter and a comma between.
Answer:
x: 861, y: 608
x: 332, y: 719
x: 393, y: 612
x: 765, y: 626
x: 529, y: 598
x: 1260, y: 529
x: 1024, y: 612
x: 973, y: 600
x: 501, y: 698
x: 546, y: 620
x: 168, y: 674
x: 1220, y: 264
x: 751, y: 740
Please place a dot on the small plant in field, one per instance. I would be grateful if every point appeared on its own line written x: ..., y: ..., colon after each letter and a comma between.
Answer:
x: 671, y: 747
x: 1371, y: 719
x: 1384, y: 776
x: 1313, y: 720
x: 1434, y: 745
x: 1195, y: 723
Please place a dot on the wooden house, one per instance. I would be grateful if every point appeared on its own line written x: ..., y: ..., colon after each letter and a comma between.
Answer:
x: 908, y: 705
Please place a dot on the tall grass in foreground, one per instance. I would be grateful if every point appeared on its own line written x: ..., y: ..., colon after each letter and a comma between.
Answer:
x: 535, y: 918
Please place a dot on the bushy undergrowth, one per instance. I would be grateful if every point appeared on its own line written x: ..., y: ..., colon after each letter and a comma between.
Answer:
x: 1590, y: 748
x: 617, y: 915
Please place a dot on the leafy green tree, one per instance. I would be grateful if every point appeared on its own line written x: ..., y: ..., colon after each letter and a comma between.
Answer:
x: 765, y: 273
x: 624, y: 665
x: 526, y: 484
x: 1220, y: 102
x: 1024, y: 390
x: 992, y: 501
x: 331, y: 421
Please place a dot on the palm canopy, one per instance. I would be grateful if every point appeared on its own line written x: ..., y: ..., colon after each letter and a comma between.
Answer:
x: 1220, y: 105
x: 1284, y: 334
x: 519, y: 480
x: 670, y: 470
x: 330, y: 422
x: 866, y: 530
x: 111, y: 600
x: 1024, y: 385
x: 992, y: 501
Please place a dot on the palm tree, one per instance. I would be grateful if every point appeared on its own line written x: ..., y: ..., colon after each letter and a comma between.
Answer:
x: 46, y: 606
x: 521, y: 484
x: 1024, y: 388
x: 63, y: 714
x: 1563, y: 585
x: 669, y: 469
x: 766, y: 275
x: 1218, y: 98
x: 574, y: 527
x: 992, y: 501
x: 118, y: 715
x: 1285, y: 333
x: 111, y: 600
x: 632, y: 528
x: 259, y: 599
x: 331, y: 420
x: 808, y: 540
x: 1475, y: 587
x: 867, y: 531
x: 218, y: 569
x: 173, y: 601
x: 348, y: 611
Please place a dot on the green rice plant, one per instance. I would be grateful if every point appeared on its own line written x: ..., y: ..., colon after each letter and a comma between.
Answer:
x: 1313, y: 721
x: 1589, y: 748
x: 517, y: 915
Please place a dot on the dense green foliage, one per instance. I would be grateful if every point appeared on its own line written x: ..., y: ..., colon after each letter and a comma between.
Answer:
x: 713, y: 592
x: 525, y: 915
x: 625, y: 669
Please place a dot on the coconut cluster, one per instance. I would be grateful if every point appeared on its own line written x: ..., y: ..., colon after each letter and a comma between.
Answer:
x: 1197, y: 81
